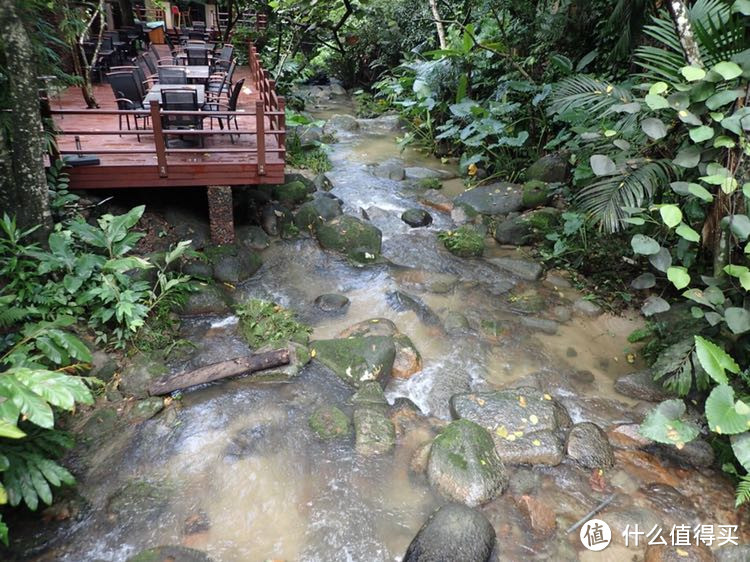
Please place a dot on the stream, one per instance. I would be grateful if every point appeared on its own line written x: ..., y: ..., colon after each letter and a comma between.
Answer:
x: 234, y: 470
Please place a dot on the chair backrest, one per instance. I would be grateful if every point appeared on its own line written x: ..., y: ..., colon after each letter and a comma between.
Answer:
x: 226, y: 52
x: 235, y: 94
x: 124, y: 85
x: 151, y: 61
x: 176, y: 99
x: 230, y: 72
x: 196, y: 34
x: 107, y: 44
x: 199, y: 25
x: 172, y: 75
x: 196, y: 56
x: 137, y: 73
x: 143, y: 66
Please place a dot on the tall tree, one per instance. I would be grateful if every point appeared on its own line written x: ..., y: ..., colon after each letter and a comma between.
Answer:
x: 680, y: 16
x: 438, y: 24
x: 25, y: 190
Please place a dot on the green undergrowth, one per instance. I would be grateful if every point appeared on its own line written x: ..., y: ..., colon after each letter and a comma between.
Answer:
x: 266, y: 323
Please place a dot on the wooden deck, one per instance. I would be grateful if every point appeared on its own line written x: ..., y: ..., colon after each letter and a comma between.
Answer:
x: 256, y: 156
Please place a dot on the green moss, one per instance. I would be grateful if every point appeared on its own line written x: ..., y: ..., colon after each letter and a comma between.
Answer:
x: 293, y: 192
x: 464, y: 242
x: 359, y: 240
x: 357, y: 360
x: 329, y: 422
x: 430, y: 183
x: 535, y: 194
x: 266, y: 323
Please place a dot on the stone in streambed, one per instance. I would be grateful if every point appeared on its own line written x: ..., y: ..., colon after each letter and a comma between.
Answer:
x: 455, y: 322
x: 642, y: 386
x: 588, y: 445
x: 332, y: 303
x: 312, y: 213
x: 357, y: 359
x: 540, y: 325
x: 254, y: 237
x: 291, y: 193
x: 407, y: 360
x: 329, y: 422
x: 209, y: 300
x: 524, y: 269
x: 493, y: 199
x: 535, y: 194
x: 358, y: 240
x: 374, y: 432
x: 419, y: 173
x: 399, y: 300
x: 390, y: 169
x: 585, y: 307
x: 552, y: 168
x: 344, y: 122
x: 453, y: 533
x: 416, y: 218
x: 236, y: 267
x: 170, y: 553
x: 464, y: 465
x: 141, y: 371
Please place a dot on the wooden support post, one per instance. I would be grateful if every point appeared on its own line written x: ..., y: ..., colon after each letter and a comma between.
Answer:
x: 260, y: 125
x: 281, y: 124
x: 221, y: 214
x: 159, y: 142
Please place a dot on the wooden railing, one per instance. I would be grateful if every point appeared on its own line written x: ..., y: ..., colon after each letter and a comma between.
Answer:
x: 273, y: 104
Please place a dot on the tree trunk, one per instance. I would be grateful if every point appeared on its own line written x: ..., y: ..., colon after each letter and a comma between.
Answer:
x: 25, y: 195
x: 438, y: 24
x: 126, y: 12
x: 679, y: 12
x: 222, y: 370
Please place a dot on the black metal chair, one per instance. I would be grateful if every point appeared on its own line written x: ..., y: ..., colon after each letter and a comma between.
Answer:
x: 176, y: 99
x: 172, y: 75
x: 150, y: 76
x: 128, y: 97
x: 231, y: 105
x: 224, y: 58
x: 138, y: 73
x: 196, y: 56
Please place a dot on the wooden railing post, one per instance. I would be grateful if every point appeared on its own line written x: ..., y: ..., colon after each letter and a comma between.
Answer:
x: 281, y: 125
x: 161, y: 149
x: 260, y: 125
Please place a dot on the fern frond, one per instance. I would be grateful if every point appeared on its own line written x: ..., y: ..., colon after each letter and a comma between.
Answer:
x: 12, y: 315
x: 584, y: 92
x: 604, y: 199
x: 742, y: 494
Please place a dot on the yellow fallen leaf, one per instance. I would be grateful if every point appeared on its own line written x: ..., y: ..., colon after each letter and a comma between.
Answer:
x: 518, y: 433
x: 536, y: 443
x: 534, y: 419
x: 313, y: 353
x: 522, y: 401
x: 547, y: 397
x: 502, y: 431
x: 511, y: 437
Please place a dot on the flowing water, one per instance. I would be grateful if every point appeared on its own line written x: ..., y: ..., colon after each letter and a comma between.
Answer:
x: 234, y: 470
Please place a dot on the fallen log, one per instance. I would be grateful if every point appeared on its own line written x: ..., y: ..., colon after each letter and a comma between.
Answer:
x: 221, y: 370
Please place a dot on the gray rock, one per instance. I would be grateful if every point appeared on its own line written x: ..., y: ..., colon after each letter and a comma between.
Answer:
x: 269, y: 219
x: 346, y: 123
x: 525, y: 269
x: 493, y: 199
x: 453, y: 533
x: 417, y: 173
x: 209, y: 300
x: 403, y: 301
x: 551, y: 168
x: 588, y: 445
x: 587, y: 308
x: 557, y: 281
x: 455, y: 322
x: 170, y: 553
x: 322, y: 182
x: 464, y: 466
x: 254, y: 237
x: 329, y: 422
x: 103, y: 365
x: 540, y: 324
x: 332, y: 303
x: 733, y: 553
x: 562, y: 313
x: 515, y: 231
x: 390, y: 169
x: 416, y: 217
x: 374, y: 432
x: 234, y: 269
x: 312, y: 213
x: 697, y: 453
x: 360, y: 241
x: 140, y: 372
x: 642, y: 386
x: 522, y: 421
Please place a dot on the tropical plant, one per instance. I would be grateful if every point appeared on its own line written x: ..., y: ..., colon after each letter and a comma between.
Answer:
x: 266, y: 323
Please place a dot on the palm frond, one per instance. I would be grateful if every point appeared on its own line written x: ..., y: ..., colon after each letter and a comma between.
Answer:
x: 584, y: 92
x: 719, y: 35
x: 634, y: 185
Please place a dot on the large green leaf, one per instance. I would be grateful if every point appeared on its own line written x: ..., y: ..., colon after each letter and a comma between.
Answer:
x: 667, y: 424
x: 725, y: 415
x: 10, y: 431
x: 656, y: 102
x: 727, y: 70
x: 741, y: 448
x: 644, y: 245
x: 714, y: 360
x: 742, y: 7
x: 688, y: 157
x: 701, y: 134
x: 693, y: 73
x: 654, y: 128
x: 678, y: 276
x: 738, y: 319
x: 602, y: 165
x: 671, y: 215
x: 721, y: 99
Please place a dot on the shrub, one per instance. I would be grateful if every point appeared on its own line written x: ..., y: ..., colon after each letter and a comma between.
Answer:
x: 266, y: 323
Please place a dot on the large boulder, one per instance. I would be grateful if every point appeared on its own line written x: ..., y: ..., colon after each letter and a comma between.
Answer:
x: 523, y: 422
x: 314, y: 212
x: 642, y: 386
x: 357, y: 359
x: 453, y: 533
x: 551, y: 168
x: 337, y: 123
x: 524, y: 229
x: 359, y: 240
x: 464, y: 465
x: 141, y: 370
x: 291, y: 193
x: 233, y: 264
x: 392, y: 169
x: 535, y: 194
x: 493, y: 199
x: 329, y: 422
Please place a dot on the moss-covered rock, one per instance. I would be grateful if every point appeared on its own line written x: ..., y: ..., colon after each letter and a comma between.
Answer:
x: 374, y: 432
x: 232, y: 263
x: 317, y: 211
x: 416, y: 217
x: 329, y: 422
x: 493, y: 199
x: 360, y: 241
x: 464, y: 242
x: 142, y: 369
x: 464, y: 466
x: 535, y: 194
x: 358, y: 359
x: 291, y: 193
x: 209, y: 300
x: 551, y: 168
